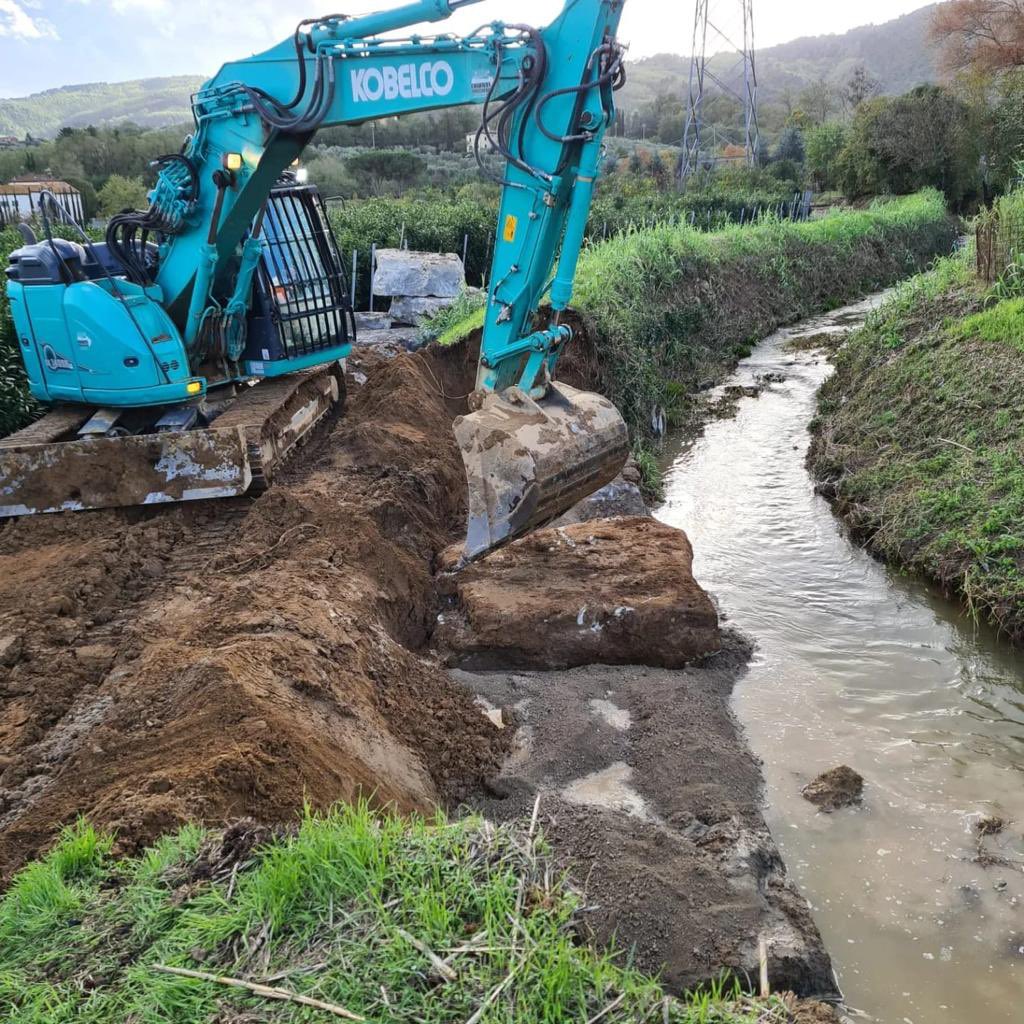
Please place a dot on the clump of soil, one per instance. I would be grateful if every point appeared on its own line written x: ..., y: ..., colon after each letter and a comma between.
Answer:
x: 613, y: 592
x: 235, y: 659
x: 834, y: 789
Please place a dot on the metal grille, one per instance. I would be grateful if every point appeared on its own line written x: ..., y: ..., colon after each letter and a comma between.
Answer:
x: 303, y: 274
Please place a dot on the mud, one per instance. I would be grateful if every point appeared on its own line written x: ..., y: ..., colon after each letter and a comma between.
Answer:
x: 234, y: 659
x: 649, y: 793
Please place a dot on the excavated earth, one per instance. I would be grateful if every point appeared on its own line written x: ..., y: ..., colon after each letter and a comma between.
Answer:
x: 233, y: 659
x: 238, y: 659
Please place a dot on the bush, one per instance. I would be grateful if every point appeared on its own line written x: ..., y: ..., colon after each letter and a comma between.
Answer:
x: 120, y: 193
x: 17, y: 407
x: 926, y: 138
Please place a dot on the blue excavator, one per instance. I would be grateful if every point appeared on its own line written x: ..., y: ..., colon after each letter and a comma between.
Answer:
x: 187, y: 354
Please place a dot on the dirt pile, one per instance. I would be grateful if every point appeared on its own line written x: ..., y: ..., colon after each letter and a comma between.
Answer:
x: 236, y: 659
x: 611, y: 591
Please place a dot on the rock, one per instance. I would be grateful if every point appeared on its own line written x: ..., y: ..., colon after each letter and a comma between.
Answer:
x: 621, y: 497
x: 613, y: 591
x: 372, y: 322
x: 836, y: 788
x: 389, y: 343
x: 991, y: 826
x: 96, y: 659
x: 11, y: 650
x: 401, y: 272
x: 411, y: 309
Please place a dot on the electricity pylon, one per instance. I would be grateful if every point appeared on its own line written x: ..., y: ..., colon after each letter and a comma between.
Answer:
x: 734, y: 74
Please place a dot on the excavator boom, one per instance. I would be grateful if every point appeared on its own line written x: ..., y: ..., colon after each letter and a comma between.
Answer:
x: 150, y: 342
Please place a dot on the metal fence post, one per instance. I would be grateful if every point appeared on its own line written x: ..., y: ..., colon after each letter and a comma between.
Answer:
x: 373, y: 270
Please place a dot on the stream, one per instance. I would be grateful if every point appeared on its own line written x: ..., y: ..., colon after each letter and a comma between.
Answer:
x: 857, y: 664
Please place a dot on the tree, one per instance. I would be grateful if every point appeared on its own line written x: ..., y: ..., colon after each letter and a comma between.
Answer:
x: 121, y: 193
x: 382, y: 171
x: 1004, y: 132
x: 926, y: 137
x: 823, y: 144
x: 790, y: 145
x: 860, y: 86
x: 818, y: 100
x: 984, y: 36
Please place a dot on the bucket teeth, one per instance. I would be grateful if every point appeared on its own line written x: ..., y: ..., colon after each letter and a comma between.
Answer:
x: 529, y: 461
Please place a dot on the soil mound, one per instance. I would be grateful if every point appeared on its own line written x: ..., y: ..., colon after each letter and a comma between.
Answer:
x: 231, y: 660
x: 612, y: 591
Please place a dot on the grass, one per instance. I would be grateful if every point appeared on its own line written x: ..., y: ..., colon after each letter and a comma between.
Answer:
x: 920, y: 438
x: 349, y: 908
x: 668, y: 307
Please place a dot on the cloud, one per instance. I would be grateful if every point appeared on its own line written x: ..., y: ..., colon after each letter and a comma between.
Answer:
x: 16, y: 21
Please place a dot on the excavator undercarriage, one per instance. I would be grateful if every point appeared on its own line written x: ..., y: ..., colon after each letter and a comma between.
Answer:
x: 52, y: 466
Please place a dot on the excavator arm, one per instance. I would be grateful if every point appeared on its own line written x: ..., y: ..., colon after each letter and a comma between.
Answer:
x: 547, y: 98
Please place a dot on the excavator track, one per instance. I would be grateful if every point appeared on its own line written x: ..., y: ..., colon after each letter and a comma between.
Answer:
x: 46, y: 468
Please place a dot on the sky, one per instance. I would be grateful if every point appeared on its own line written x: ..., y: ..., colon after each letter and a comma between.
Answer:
x: 49, y: 43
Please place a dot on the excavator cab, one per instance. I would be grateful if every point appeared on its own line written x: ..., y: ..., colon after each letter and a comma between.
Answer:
x: 301, y: 302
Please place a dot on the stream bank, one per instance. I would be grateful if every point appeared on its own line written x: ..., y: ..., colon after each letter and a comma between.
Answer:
x: 919, y: 439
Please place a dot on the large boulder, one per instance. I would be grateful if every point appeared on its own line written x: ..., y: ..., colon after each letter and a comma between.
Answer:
x: 612, y: 591
x: 401, y: 272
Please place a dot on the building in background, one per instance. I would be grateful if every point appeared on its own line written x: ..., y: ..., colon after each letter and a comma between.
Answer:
x: 19, y: 199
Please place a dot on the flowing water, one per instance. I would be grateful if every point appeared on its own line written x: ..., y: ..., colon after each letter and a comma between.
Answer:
x: 859, y: 665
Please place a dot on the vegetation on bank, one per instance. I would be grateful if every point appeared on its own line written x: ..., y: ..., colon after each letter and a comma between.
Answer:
x: 381, y: 918
x: 920, y: 436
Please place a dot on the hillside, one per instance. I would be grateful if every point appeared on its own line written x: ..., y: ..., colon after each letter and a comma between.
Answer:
x: 149, y: 102
x: 896, y: 53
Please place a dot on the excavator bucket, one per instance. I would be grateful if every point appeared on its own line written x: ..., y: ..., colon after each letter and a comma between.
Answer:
x: 529, y: 461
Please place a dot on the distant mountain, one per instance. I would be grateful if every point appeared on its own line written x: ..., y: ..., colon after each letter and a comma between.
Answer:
x: 896, y: 53
x: 149, y: 102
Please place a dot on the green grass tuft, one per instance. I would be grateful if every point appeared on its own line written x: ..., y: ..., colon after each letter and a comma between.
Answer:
x: 341, y: 910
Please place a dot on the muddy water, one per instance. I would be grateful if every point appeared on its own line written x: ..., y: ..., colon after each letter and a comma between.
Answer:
x: 861, y: 666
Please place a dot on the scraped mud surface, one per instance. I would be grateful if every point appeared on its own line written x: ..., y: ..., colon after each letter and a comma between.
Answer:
x: 649, y: 794
x: 234, y: 659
